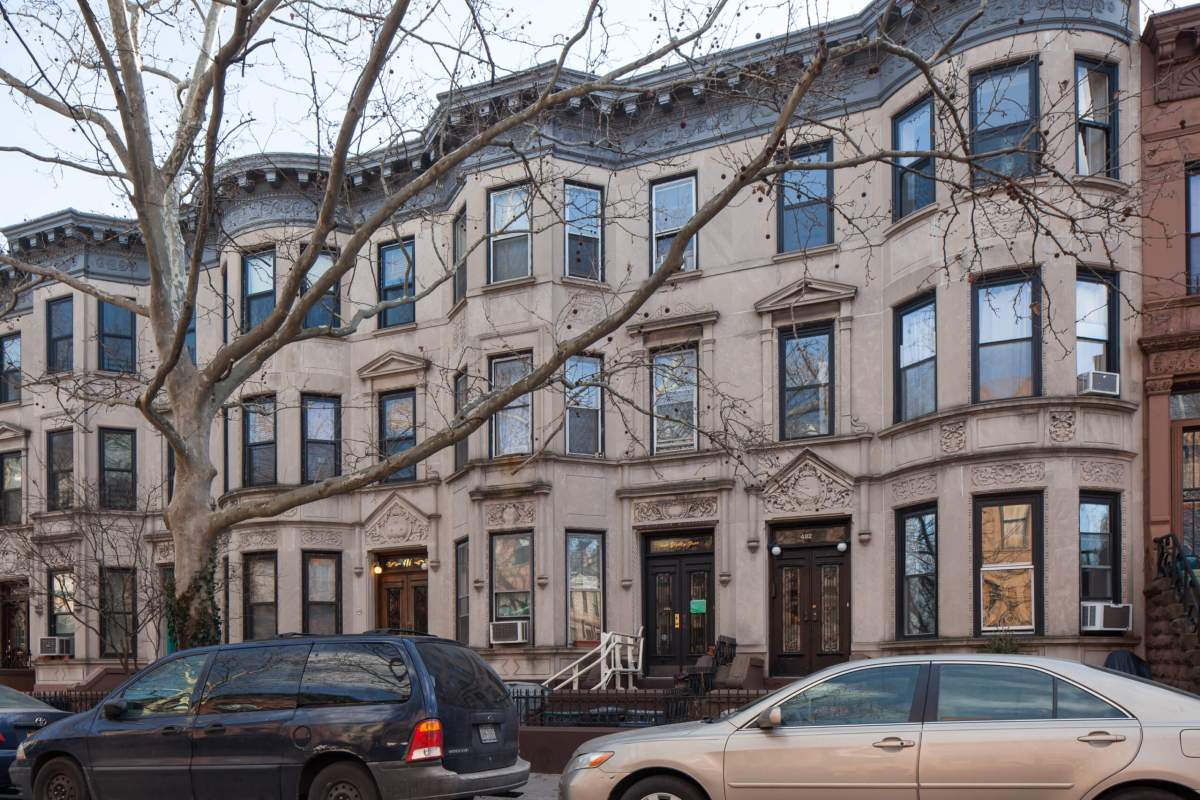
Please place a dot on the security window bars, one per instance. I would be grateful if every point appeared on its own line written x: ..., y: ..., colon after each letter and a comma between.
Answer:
x: 11, y: 480
x: 916, y: 534
x: 672, y: 204
x: 1007, y: 330
x: 118, y: 352
x: 584, y: 218
x: 585, y: 433
x: 259, y: 618
x: 321, y: 433
x: 916, y: 359
x: 1096, y: 107
x: 913, y: 184
x: 118, y: 473
x: 322, y: 592
x: 258, y: 287
x: 397, y: 281
x: 459, y: 252
x: 60, y: 470
x: 510, y: 234
x: 10, y: 368
x: 512, y: 576
x: 324, y: 313
x: 806, y: 202
x: 258, y: 441
x: 512, y: 426
x: 60, y: 335
x: 398, y: 429
x: 117, y: 612
x: 1004, y: 116
x: 1099, y: 548
x: 1096, y: 343
x: 675, y: 400
x: 806, y: 382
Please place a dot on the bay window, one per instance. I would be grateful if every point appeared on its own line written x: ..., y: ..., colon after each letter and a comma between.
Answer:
x: 1007, y: 332
x: 916, y: 359
x: 1096, y: 343
x: 118, y: 352
x: 509, y: 234
x: 462, y: 591
x: 913, y: 185
x: 321, y: 437
x: 458, y: 250
x: 917, y: 601
x: 324, y: 313
x: 512, y: 577
x: 118, y: 469
x: 1008, y: 562
x: 583, y: 215
x: 60, y: 335
x: 322, y: 593
x: 1096, y: 110
x: 512, y: 426
x: 258, y: 441
x: 1099, y: 547
x: 258, y: 287
x: 1004, y: 116
x: 259, y: 596
x: 398, y: 280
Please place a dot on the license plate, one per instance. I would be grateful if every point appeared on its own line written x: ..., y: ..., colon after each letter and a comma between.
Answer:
x: 487, y: 734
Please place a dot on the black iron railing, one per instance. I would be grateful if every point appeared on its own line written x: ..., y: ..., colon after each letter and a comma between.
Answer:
x: 625, y: 709
x: 1179, y: 565
x: 73, y: 700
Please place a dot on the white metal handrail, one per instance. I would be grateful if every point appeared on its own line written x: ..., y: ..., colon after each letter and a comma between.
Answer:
x: 617, y: 655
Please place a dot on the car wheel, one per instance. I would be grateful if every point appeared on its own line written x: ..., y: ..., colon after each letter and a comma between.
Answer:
x: 662, y: 787
x: 1143, y: 793
x: 61, y: 779
x: 343, y: 781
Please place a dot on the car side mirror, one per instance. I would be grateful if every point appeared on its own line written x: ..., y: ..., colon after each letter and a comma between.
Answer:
x: 114, y: 709
x: 770, y: 718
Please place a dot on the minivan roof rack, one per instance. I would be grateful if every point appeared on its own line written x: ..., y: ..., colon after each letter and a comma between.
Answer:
x: 292, y: 635
x: 395, y: 632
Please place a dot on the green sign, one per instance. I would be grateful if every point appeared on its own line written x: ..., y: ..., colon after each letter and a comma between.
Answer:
x: 698, y: 606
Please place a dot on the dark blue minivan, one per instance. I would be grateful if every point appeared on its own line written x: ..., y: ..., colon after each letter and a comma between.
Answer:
x: 355, y: 717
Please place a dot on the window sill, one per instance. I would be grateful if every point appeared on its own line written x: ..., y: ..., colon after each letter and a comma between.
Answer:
x: 11, y: 404
x: 407, y: 327
x: 1101, y: 182
x: 513, y: 283
x: 691, y: 274
x: 812, y: 252
x: 904, y: 223
x: 585, y: 283
x: 457, y: 307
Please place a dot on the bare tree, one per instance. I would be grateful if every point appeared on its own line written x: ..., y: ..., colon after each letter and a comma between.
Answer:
x: 101, y: 68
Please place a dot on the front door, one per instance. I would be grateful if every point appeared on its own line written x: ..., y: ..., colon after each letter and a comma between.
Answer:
x: 810, y: 601
x: 678, y: 581
x: 14, y: 626
x: 403, y: 597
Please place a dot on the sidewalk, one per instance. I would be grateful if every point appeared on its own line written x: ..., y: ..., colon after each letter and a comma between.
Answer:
x: 540, y: 787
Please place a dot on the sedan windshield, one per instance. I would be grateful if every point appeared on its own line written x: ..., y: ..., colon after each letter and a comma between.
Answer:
x: 11, y: 700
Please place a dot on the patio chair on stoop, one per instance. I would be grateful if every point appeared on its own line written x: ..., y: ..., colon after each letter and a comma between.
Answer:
x: 700, y: 677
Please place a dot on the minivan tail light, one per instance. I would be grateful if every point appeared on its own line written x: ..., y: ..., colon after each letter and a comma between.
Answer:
x: 426, y: 741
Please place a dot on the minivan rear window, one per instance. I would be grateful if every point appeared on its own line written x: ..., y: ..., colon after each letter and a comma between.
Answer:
x: 355, y: 674
x: 461, y: 678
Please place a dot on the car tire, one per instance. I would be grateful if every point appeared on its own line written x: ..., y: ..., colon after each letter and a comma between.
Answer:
x: 343, y: 780
x: 60, y: 779
x: 663, y: 787
x: 1143, y: 793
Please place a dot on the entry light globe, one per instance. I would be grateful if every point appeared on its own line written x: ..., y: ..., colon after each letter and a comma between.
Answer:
x: 377, y: 569
x: 776, y: 549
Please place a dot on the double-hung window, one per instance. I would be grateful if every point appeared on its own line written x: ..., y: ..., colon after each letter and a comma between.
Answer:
x: 510, y: 234
x: 1096, y: 107
x: 398, y: 429
x: 806, y: 382
x: 258, y: 287
x: 189, y: 337
x: 585, y: 588
x: 60, y: 335
x: 672, y: 204
x: 258, y: 441
x: 60, y: 470
x: 1007, y: 330
x: 1193, y: 229
x: 458, y: 250
x: 62, y: 602
x: 584, y: 217
x: 512, y: 577
x: 11, y: 480
x: 324, y: 313
x: 322, y: 592
x: 462, y: 591
x: 118, y: 352
x: 10, y: 368
x: 118, y: 630
x: 1099, y: 547
x: 398, y: 281
x: 118, y: 469
x: 259, y: 596
x: 1008, y: 560
x: 512, y: 426
x: 1004, y: 116
x: 1096, y: 344
x: 916, y: 359
x: 585, y: 433
x: 675, y: 398
x: 321, y: 434
x: 917, y: 601
x: 912, y: 176
x: 461, y: 447
x: 806, y: 201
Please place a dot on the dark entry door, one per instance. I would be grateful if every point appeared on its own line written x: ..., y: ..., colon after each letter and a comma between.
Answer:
x: 810, y: 610
x: 678, y: 581
x: 404, y: 601
x: 14, y: 626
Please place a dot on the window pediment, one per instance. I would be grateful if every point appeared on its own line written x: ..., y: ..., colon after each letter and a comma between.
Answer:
x: 10, y: 431
x: 392, y: 363
x: 805, y: 292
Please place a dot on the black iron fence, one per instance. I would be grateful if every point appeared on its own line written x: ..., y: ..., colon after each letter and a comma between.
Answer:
x: 625, y: 709
x: 1176, y: 562
x: 73, y: 700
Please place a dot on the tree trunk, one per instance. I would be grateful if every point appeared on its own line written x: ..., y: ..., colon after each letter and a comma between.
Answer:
x: 194, y: 613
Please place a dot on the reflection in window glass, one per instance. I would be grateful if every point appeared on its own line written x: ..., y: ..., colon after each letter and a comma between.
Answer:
x: 919, y: 560
x: 1071, y: 702
x: 512, y: 426
x: 1004, y: 347
x: 322, y: 593
x: 917, y: 361
x: 986, y: 691
x: 675, y: 400
x: 258, y: 618
x: 325, y: 313
x: 1003, y: 103
x: 355, y: 674
x: 674, y: 203
x: 584, y: 219
x: 583, y: 406
x: 461, y: 678
x: 10, y: 368
x: 806, y: 203
x: 164, y: 690
x: 806, y: 383
x: 512, y: 576
x: 398, y: 429
x: 585, y: 587
x: 258, y: 441
x: 322, y: 454
x: 11, y: 478
x: 258, y: 287
x: 872, y: 696
x: 913, y: 176
x: 1095, y: 102
x: 1006, y: 566
x: 254, y: 679
x: 1092, y: 335
x: 510, y: 234
x: 1097, y: 549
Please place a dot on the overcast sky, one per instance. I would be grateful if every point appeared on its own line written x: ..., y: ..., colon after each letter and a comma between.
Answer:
x: 282, y: 119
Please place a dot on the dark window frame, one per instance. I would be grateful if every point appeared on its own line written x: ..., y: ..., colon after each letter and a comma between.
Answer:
x: 492, y: 237
x: 247, y: 604
x: 103, y: 351
x: 599, y: 410
x: 333, y: 292
x: 599, y: 277
x: 603, y: 537
x: 405, y: 314
x: 53, y: 590
x: 408, y: 473
x: 1112, y: 129
x: 1032, y: 122
x: 246, y: 295
x: 248, y: 446
x: 52, y: 365
x: 901, y: 516
x: 305, y: 441
x: 694, y: 177
x: 898, y: 314
x: 1111, y: 282
x: 19, y: 456
x: 1007, y: 278
x: 1036, y: 502
x: 492, y: 537
x: 105, y: 614
x: 462, y: 547
x: 462, y: 450
x: 305, y: 602
x: 694, y: 347
x: 101, y: 436
x: 826, y: 148
x: 10, y: 393
x: 54, y: 501
x: 1191, y: 170
x: 492, y: 361
x: 805, y: 331
x: 457, y: 252
x: 1113, y: 501
x: 925, y: 167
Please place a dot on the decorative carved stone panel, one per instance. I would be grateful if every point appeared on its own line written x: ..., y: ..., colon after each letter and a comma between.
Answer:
x: 1013, y: 473
x: 807, y: 486
x: 674, y: 509
x: 511, y: 514
x: 954, y: 436
x: 1062, y: 426
x: 915, y: 487
x: 320, y: 537
x: 164, y: 552
x: 396, y: 523
x: 258, y: 540
x: 1102, y: 473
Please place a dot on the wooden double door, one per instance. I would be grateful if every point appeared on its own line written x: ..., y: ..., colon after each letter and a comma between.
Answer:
x: 678, y: 598
x: 403, y: 601
x: 810, y: 609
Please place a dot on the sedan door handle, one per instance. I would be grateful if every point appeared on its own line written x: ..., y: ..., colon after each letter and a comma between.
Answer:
x: 894, y: 743
x: 214, y: 729
x: 170, y: 730
x: 1102, y: 737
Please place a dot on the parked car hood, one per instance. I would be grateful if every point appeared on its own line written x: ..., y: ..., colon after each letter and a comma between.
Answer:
x: 658, y: 733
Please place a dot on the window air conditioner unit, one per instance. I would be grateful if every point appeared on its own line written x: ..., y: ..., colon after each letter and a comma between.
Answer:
x: 56, y: 646
x: 1104, y: 383
x: 1105, y: 617
x: 510, y: 632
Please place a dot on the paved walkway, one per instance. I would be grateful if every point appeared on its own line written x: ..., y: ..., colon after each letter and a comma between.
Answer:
x: 540, y: 787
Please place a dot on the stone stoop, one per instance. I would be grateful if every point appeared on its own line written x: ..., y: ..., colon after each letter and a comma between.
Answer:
x: 1172, y: 646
